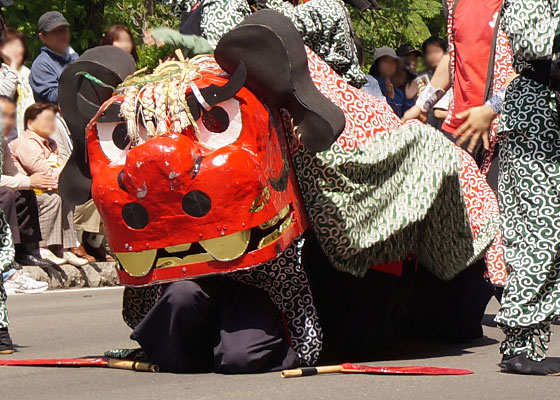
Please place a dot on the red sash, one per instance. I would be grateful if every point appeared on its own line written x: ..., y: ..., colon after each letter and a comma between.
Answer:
x: 474, y: 28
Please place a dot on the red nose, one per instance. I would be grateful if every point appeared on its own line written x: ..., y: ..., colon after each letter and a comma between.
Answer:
x: 157, y: 172
x: 162, y: 159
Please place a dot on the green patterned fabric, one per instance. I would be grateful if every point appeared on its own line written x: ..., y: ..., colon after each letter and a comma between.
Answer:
x: 325, y: 28
x: 6, y: 259
x: 7, y: 253
x: 218, y: 16
x: 528, y: 185
x: 397, y: 195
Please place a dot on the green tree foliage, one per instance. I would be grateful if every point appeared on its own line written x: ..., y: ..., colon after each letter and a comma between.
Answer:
x: 90, y: 18
x: 398, y: 22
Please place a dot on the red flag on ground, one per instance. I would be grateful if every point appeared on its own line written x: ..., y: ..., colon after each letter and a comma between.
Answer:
x: 83, y: 362
x: 348, y: 368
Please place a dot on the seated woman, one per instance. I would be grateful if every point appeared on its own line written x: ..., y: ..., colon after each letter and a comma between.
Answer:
x: 36, y: 152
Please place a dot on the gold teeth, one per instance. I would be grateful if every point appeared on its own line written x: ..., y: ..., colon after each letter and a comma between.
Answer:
x: 167, y: 262
x: 271, y: 237
x: 139, y: 263
x: 227, y: 248
x: 179, y: 248
x: 273, y: 221
x: 223, y: 248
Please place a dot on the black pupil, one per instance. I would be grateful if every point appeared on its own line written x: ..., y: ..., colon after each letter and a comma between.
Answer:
x: 120, y: 136
x: 216, y: 120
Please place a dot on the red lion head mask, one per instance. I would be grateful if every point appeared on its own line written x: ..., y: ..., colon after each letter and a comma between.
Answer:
x: 211, y: 197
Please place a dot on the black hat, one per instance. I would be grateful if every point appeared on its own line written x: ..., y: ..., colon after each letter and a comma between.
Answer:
x: 51, y: 20
x: 406, y: 49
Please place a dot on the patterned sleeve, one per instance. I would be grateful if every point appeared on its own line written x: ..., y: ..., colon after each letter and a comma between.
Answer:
x: 326, y: 28
x: 219, y: 17
x: 179, y: 6
x: 531, y: 26
x: 301, y: 16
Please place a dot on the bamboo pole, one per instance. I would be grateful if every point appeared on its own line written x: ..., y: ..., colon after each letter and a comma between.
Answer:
x: 293, y: 373
x: 132, y: 365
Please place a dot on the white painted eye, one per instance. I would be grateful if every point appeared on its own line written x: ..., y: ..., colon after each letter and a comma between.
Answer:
x: 114, y: 140
x: 221, y: 125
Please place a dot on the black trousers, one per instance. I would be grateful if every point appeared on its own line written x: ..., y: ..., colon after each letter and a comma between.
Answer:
x: 361, y: 316
x: 215, y: 324
x: 20, y: 208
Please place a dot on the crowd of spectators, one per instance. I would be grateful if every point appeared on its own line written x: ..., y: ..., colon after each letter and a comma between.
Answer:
x: 36, y: 144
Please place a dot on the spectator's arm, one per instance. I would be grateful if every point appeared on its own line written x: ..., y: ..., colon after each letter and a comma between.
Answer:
x: 44, y: 82
x: 442, y: 75
x: 10, y: 175
x: 8, y: 81
x: 372, y: 87
x: 30, y: 155
x: 191, y: 45
x: 15, y: 182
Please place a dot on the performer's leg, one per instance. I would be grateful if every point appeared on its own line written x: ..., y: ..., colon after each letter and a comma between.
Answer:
x: 481, y: 157
x: 530, y: 208
x: 449, y: 310
x: 8, y: 204
x: 252, y: 338
x: 180, y: 330
x: 365, y: 315
x: 6, y: 259
x: 28, y: 217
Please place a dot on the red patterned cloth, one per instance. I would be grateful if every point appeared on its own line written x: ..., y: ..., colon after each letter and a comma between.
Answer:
x: 366, y: 119
x: 503, y: 68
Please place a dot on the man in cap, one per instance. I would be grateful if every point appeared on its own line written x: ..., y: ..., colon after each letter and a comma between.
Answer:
x: 56, y: 54
x: 409, y: 54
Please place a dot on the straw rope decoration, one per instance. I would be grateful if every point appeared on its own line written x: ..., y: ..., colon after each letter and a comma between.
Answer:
x: 159, y: 99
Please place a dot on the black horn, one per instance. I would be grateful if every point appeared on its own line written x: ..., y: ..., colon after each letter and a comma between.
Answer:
x: 84, y: 86
x: 271, y: 49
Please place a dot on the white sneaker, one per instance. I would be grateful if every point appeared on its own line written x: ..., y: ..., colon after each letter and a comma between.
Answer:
x: 73, y: 259
x: 49, y: 256
x: 24, y: 284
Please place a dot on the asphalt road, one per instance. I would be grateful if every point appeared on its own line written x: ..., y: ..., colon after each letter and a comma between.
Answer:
x: 88, y: 322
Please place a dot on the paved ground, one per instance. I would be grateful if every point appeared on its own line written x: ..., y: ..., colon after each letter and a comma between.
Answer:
x: 87, y: 322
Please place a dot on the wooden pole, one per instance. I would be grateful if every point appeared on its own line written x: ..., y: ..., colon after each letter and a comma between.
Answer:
x: 132, y: 365
x: 293, y: 373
